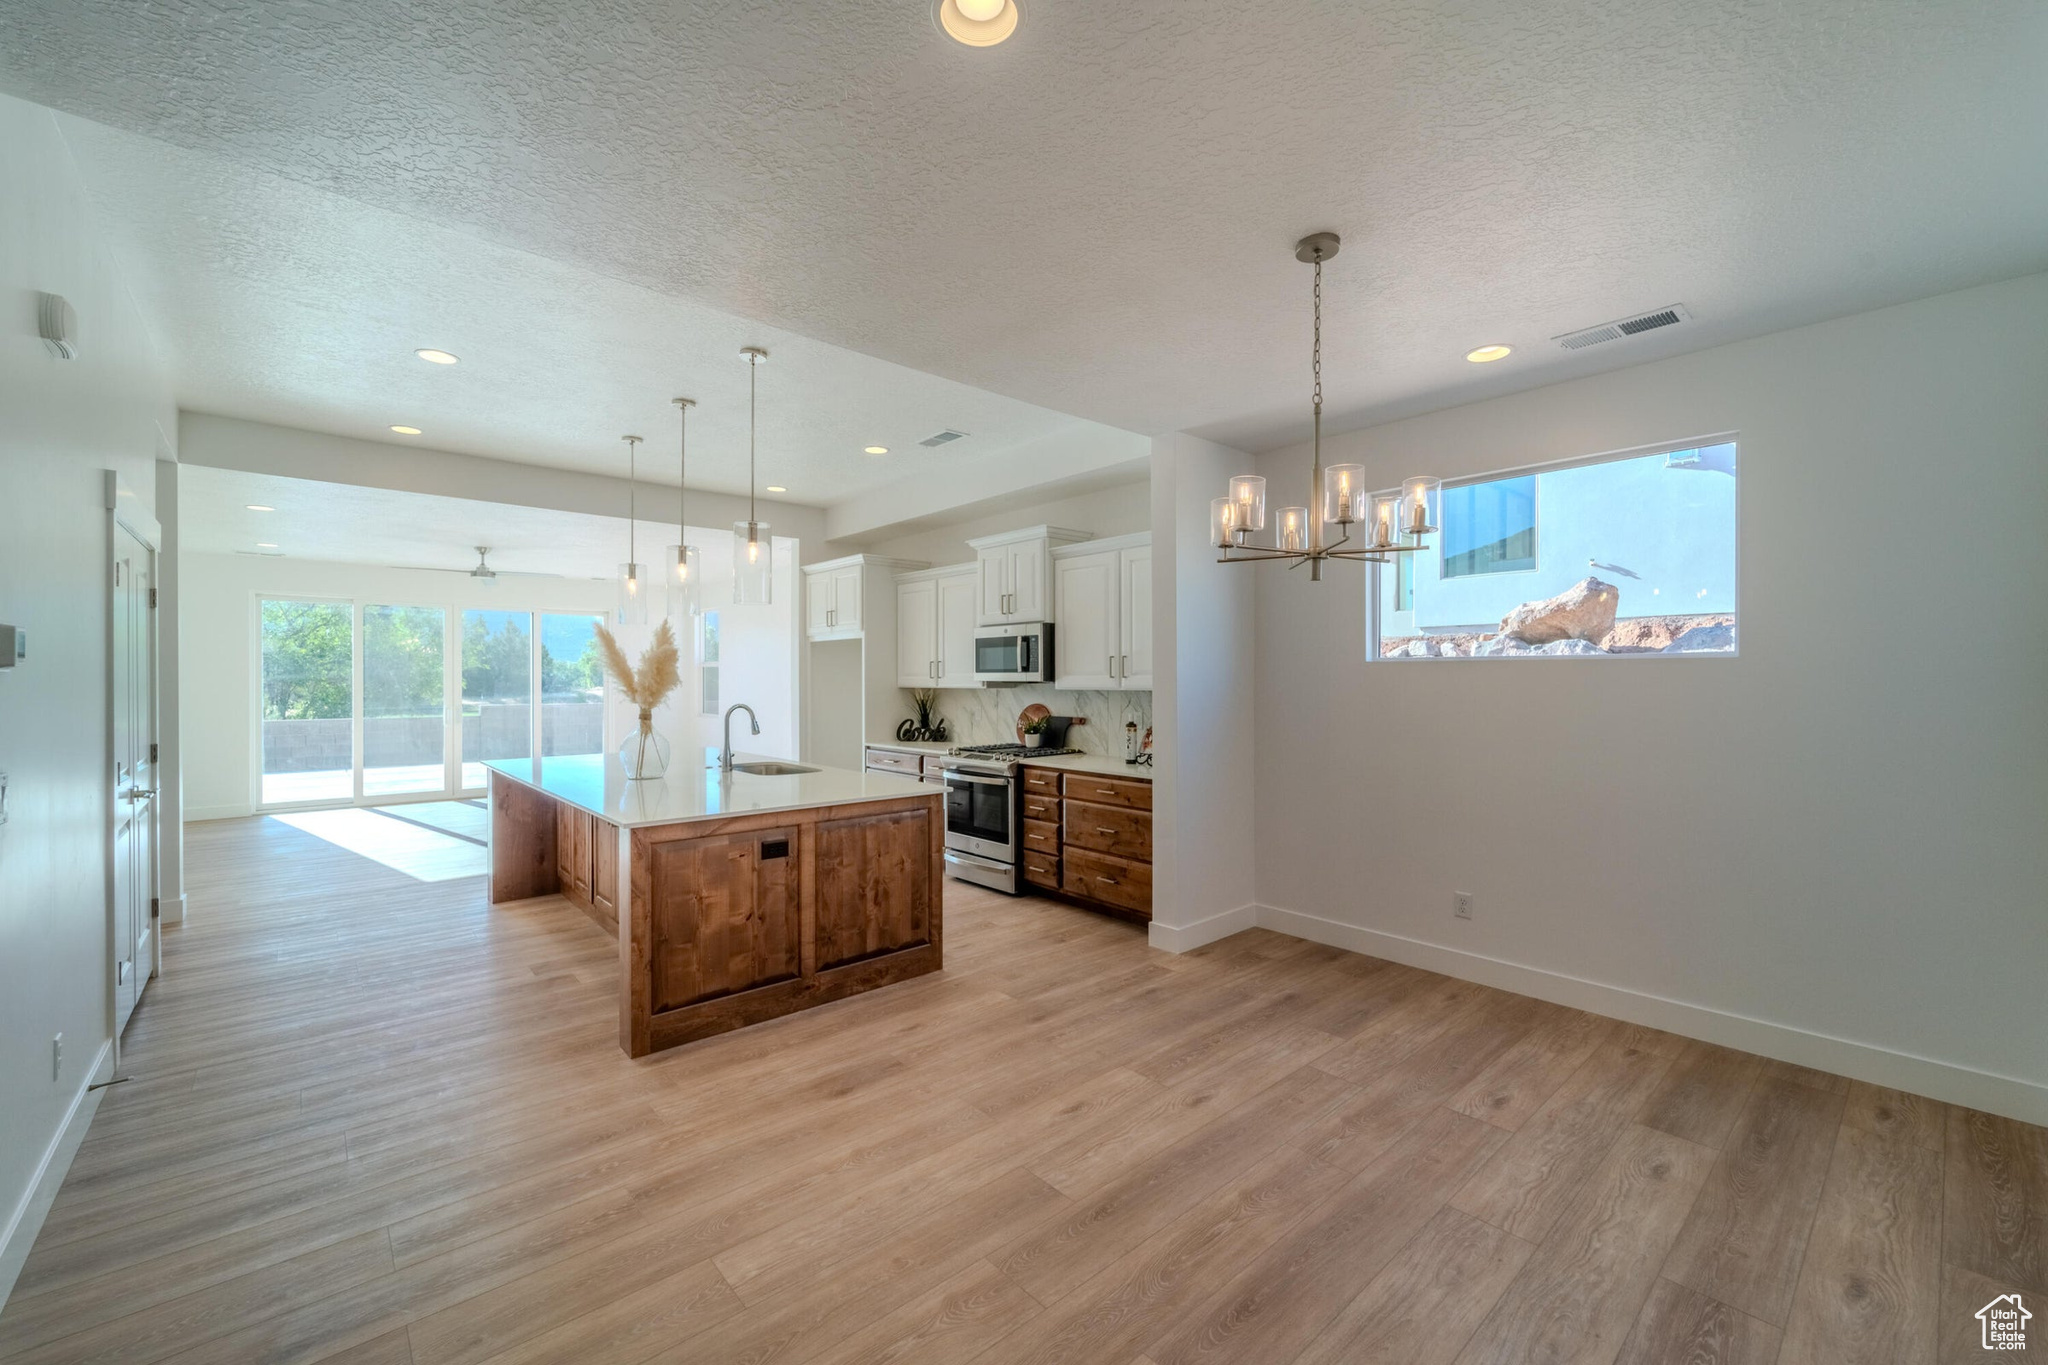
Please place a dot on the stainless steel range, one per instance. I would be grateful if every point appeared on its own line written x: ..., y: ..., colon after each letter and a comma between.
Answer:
x: 984, y: 815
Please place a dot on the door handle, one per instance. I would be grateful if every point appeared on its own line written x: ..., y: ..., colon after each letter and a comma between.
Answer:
x: 141, y: 794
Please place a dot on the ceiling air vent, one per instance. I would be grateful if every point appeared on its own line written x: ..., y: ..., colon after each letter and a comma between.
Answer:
x: 1627, y: 327
x: 946, y: 437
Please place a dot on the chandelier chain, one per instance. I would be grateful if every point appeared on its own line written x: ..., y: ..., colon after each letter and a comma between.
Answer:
x: 1319, y: 334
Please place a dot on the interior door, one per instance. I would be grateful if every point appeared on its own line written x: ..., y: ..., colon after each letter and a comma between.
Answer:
x: 1134, y: 669
x: 1086, y: 598
x: 132, y: 697
x: 958, y: 596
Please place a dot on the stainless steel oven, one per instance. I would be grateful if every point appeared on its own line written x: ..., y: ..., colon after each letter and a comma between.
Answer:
x: 1013, y: 654
x: 982, y: 829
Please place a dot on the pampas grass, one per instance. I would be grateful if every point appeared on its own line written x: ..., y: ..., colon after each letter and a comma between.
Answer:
x: 659, y: 674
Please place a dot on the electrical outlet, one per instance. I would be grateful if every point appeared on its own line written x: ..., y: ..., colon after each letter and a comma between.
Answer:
x: 1461, y: 904
x: 57, y: 1058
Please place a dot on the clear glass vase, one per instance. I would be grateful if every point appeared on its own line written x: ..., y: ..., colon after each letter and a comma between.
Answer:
x: 644, y: 755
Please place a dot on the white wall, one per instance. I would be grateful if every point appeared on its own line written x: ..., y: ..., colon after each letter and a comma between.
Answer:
x: 62, y: 423
x: 1204, y: 705
x: 1830, y: 849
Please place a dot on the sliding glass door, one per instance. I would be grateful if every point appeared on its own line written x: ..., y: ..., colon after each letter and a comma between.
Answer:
x: 306, y: 706
x: 404, y: 718
x: 373, y: 702
x: 571, y: 686
x: 497, y: 690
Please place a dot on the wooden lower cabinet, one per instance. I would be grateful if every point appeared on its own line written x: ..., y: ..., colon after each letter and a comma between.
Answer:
x: 1088, y: 838
x: 572, y: 852
x: 587, y: 863
x: 724, y: 915
x: 739, y: 920
x: 1117, y: 882
x: 604, y: 873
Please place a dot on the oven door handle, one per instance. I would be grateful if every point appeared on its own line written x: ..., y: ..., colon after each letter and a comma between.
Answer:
x: 953, y: 775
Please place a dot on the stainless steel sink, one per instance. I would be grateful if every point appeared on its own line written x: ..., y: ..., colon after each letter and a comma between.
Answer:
x: 772, y: 769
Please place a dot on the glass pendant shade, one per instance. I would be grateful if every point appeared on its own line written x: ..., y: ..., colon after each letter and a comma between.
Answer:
x: 1421, y: 505
x: 1385, y: 518
x: 753, y: 554
x: 685, y: 579
x: 633, y: 588
x: 1248, y: 491
x: 1344, y: 498
x: 1222, y: 523
x: 1291, y: 532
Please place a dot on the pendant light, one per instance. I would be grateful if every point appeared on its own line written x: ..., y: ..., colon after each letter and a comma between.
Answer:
x: 684, y: 572
x: 1394, y: 523
x: 753, y: 552
x: 633, y: 583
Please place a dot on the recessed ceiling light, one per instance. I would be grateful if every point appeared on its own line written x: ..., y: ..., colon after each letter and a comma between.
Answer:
x: 257, y: 507
x: 433, y: 356
x: 266, y: 545
x: 777, y: 488
x: 1486, y: 353
x: 978, y: 23
x: 877, y: 450
x: 407, y: 431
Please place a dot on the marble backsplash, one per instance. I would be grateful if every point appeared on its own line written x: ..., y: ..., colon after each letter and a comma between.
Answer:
x: 988, y: 715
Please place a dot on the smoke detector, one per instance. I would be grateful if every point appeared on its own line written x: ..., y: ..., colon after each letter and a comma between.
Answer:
x: 57, y: 321
x: 1624, y: 327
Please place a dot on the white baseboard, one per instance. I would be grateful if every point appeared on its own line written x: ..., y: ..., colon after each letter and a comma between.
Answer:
x: 27, y: 1218
x: 194, y: 814
x: 1994, y: 1094
x: 171, y: 910
x: 1181, y: 938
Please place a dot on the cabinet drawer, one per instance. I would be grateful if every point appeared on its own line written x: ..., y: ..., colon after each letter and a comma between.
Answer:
x: 1037, y: 807
x: 1040, y: 837
x: 1041, y: 782
x: 1041, y: 870
x: 895, y: 761
x: 1113, y: 881
x: 1113, y: 830
x: 1108, y: 791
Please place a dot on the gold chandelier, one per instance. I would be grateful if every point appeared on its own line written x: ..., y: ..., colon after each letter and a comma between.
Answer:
x: 1394, y: 523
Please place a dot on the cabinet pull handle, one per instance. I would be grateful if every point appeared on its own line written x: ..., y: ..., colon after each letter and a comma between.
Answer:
x: 1123, y: 668
x: 1112, y: 665
x: 1105, y: 791
x: 1107, y: 881
x: 1100, y: 830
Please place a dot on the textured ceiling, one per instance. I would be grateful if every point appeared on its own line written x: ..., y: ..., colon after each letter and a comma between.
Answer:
x: 288, y: 304
x: 1095, y: 217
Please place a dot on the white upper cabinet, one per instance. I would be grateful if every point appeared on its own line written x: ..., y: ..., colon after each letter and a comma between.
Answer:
x: 839, y: 594
x: 1016, y: 573
x: 935, y: 618
x: 1102, y: 614
x: 959, y: 596
x: 917, y: 633
x: 1086, y: 638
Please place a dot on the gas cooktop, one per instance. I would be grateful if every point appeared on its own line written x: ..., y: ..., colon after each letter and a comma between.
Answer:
x: 1006, y: 751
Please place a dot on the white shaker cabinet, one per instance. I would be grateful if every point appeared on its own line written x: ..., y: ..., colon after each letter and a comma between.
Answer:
x: 935, y: 619
x: 1016, y: 573
x: 1102, y: 615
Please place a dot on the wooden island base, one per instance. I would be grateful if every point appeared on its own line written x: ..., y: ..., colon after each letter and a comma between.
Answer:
x: 729, y: 921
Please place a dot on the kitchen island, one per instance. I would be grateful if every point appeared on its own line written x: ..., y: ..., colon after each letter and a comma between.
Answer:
x: 735, y: 896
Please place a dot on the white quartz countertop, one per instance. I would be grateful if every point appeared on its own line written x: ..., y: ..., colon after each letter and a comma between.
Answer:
x: 1091, y: 763
x: 597, y: 784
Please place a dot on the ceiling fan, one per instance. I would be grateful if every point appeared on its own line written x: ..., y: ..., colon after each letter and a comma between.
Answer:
x: 483, y: 572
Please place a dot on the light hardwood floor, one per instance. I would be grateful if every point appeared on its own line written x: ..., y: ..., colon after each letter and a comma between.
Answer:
x: 374, y: 1121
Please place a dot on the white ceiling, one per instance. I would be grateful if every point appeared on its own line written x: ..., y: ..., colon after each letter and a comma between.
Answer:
x: 1094, y: 218
x: 346, y: 523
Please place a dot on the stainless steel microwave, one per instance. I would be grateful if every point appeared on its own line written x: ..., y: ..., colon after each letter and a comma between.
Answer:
x: 1013, y: 654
